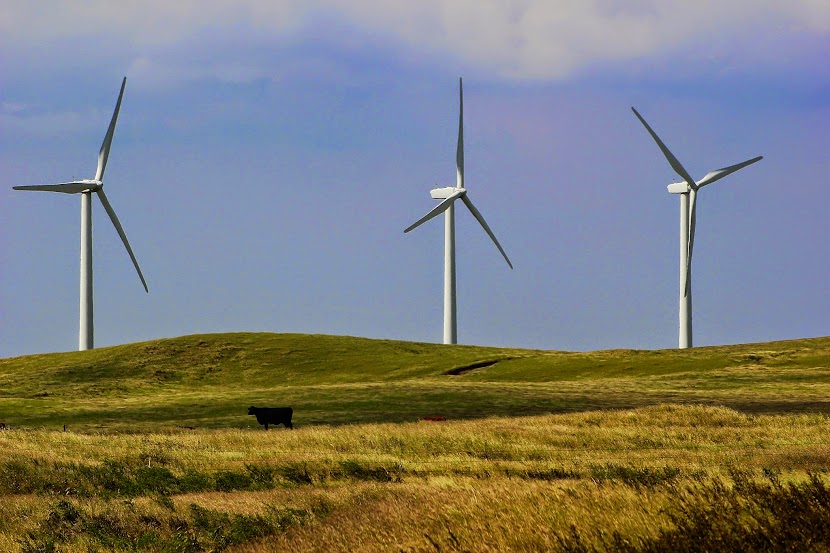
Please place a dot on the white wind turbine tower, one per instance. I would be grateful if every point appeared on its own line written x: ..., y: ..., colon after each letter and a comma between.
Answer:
x: 688, y: 190
x: 85, y: 188
x: 448, y: 196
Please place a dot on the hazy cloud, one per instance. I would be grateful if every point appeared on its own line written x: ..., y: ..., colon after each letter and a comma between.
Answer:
x: 146, y: 22
x: 520, y: 39
x: 544, y: 39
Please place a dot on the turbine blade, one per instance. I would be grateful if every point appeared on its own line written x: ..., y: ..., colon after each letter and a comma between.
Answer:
x: 111, y: 212
x: 440, y: 208
x: 692, y: 222
x: 65, y: 187
x: 480, y: 218
x: 718, y: 174
x: 104, y: 152
x: 459, y: 152
x: 675, y: 164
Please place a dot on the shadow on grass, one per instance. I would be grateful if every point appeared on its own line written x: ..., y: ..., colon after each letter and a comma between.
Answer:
x: 379, y: 403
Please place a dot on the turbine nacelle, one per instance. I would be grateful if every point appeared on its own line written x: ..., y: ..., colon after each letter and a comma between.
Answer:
x: 444, y: 193
x: 679, y: 188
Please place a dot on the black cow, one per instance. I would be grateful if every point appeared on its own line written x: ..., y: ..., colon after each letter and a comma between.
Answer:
x: 272, y: 415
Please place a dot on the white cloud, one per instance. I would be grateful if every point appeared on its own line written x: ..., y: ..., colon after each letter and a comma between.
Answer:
x: 549, y: 39
x: 536, y: 39
x: 145, y: 22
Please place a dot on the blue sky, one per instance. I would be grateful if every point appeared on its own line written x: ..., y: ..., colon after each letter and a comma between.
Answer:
x: 269, y: 155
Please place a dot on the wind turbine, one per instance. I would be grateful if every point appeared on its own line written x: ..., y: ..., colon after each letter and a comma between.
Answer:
x: 448, y: 196
x: 688, y: 190
x: 85, y: 187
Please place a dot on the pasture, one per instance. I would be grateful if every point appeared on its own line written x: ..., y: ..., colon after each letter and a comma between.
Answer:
x: 541, y: 450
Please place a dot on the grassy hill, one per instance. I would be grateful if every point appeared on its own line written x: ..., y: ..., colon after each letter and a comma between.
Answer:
x: 208, y: 381
x: 714, y: 449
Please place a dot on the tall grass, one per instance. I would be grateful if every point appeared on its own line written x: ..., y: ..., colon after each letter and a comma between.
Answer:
x: 576, y: 482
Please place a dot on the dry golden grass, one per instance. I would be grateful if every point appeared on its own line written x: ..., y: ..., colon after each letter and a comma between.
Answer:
x: 497, y: 484
x: 497, y: 514
x: 684, y: 436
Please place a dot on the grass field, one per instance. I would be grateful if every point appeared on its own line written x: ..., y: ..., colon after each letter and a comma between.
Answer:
x: 721, y: 448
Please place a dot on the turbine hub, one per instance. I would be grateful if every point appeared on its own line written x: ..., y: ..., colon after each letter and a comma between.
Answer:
x: 94, y: 185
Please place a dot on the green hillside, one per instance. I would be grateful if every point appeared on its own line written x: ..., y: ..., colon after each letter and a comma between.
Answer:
x: 720, y: 448
x: 209, y: 381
